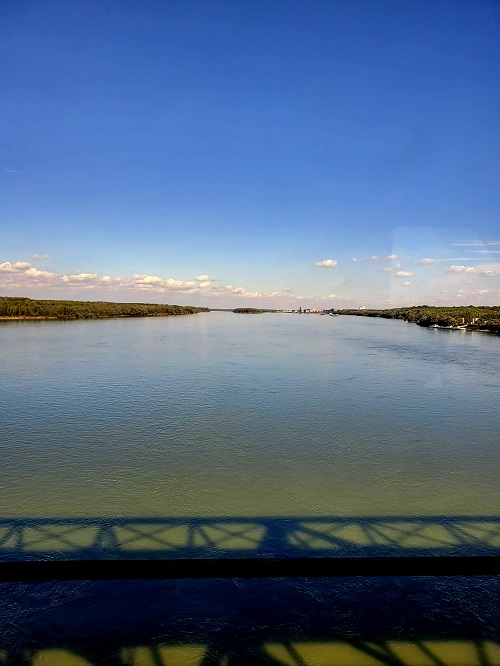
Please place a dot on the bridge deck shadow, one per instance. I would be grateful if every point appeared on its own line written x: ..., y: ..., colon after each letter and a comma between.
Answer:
x: 299, y: 622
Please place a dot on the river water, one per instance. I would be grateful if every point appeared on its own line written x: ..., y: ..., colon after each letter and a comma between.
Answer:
x: 219, y: 414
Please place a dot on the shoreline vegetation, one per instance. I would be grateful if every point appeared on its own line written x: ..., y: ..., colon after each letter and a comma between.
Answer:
x: 247, y: 311
x: 468, y: 318
x: 22, y: 308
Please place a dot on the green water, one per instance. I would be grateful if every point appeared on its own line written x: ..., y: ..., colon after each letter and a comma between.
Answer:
x: 220, y: 414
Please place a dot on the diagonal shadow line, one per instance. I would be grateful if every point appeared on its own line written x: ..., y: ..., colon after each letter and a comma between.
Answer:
x: 385, y: 537
x: 50, y: 535
x: 243, y: 532
x: 481, y: 654
x: 301, y: 541
x: 389, y: 651
x: 200, y: 530
x: 8, y: 535
x: 370, y: 534
x: 156, y: 657
x: 432, y: 540
x: 383, y: 654
x: 337, y: 541
x: 486, y: 533
x: 429, y: 653
x: 294, y: 654
x: 331, y: 527
x: 417, y: 532
x: 409, y: 533
x: 460, y: 534
x: 447, y: 526
x: 147, y: 535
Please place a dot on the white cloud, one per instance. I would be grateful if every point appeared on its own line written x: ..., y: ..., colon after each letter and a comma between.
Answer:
x: 33, y: 272
x: 39, y: 257
x: 355, y: 260
x: 148, y: 279
x: 463, y: 293
x: 22, y: 274
x: 478, y: 243
x: 329, y: 263
x: 401, y: 274
x: 461, y: 269
x: 170, y: 283
x: 406, y: 284
x: 427, y: 261
x: 387, y: 269
x: 287, y: 289
x: 202, y: 278
x: 375, y: 259
x: 8, y: 267
x: 78, y: 277
x: 471, y: 270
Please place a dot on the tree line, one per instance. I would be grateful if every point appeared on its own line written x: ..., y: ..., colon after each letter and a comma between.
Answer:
x: 17, y: 306
x: 474, y: 317
x: 247, y: 311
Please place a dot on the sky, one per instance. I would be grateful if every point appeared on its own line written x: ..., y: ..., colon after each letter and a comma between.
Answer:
x: 273, y: 153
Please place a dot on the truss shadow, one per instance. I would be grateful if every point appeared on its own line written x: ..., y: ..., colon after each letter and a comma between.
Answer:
x: 256, y: 537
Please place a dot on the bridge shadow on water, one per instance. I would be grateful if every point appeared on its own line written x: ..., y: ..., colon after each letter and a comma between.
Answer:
x: 255, y: 537
x: 301, y: 621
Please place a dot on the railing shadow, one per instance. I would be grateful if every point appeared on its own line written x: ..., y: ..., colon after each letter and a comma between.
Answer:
x: 255, y: 537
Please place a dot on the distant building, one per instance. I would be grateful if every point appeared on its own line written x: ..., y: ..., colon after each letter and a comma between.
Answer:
x: 362, y: 307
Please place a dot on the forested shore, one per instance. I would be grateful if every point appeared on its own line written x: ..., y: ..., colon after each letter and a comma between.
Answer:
x: 12, y: 307
x: 473, y: 318
x: 247, y: 311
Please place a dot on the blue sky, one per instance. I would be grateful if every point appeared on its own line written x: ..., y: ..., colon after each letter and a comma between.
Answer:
x: 225, y: 153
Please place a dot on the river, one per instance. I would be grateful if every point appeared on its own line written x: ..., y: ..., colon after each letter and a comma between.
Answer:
x: 220, y: 414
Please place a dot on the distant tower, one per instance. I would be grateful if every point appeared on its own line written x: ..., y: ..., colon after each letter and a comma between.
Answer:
x: 300, y: 310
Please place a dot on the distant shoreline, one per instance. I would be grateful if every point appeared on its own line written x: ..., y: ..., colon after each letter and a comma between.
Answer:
x: 125, y: 316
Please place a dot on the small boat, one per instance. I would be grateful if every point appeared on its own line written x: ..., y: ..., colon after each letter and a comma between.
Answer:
x: 449, y: 328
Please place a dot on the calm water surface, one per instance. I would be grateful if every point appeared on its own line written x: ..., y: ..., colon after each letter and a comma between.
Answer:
x: 224, y: 414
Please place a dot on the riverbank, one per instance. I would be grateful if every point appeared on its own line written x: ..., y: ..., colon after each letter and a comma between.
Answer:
x: 485, y: 319
x: 21, y: 308
x: 22, y: 318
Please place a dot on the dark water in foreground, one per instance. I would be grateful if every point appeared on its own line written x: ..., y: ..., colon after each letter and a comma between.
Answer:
x: 222, y: 414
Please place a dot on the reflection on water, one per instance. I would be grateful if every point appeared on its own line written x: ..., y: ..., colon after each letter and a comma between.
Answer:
x: 218, y: 415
